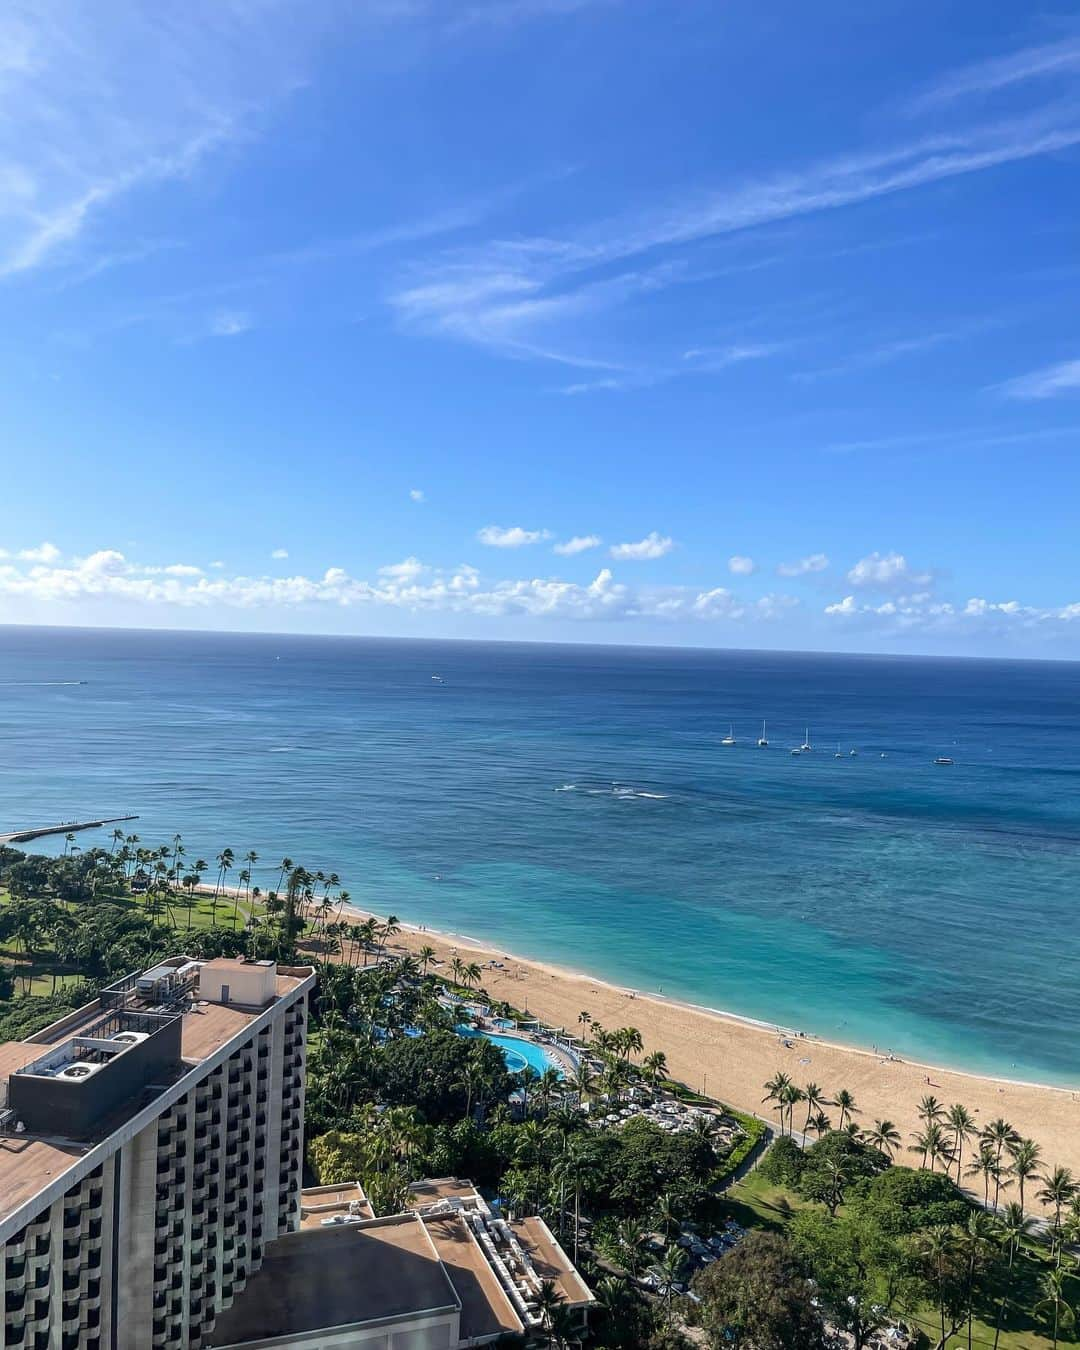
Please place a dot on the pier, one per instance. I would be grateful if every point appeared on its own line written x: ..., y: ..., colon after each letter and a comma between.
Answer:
x: 66, y: 827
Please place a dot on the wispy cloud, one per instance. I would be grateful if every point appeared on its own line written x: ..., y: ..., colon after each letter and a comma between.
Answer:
x: 280, y: 553
x: 416, y: 495
x: 99, y: 103
x: 986, y: 77
x: 518, y: 296
x: 580, y: 543
x: 1050, y: 382
x: 230, y: 323
x: 512, y: 536
x: 740, y: 565
x: 654, y: 545
x: 814, y: 562
x: 884, y: 353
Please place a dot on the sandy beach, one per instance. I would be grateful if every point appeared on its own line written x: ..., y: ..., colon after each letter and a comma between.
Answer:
x: 731, y: 1057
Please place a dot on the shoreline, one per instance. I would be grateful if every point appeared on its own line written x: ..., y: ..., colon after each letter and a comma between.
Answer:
x: 479, y: 945
x: 729, y: 1057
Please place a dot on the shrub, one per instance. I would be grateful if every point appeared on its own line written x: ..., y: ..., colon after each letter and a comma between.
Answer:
x: 784, y: 1163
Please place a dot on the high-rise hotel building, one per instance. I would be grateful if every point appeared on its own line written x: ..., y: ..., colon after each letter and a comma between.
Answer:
x: 151, y: 1146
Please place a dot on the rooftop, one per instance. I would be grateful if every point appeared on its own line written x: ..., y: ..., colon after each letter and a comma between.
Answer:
x: 337, y: 1277
x: 346, y: 1269
x: 31, y: 1159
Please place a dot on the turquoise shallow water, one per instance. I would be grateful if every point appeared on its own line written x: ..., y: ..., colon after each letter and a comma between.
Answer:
x: 576, y: 804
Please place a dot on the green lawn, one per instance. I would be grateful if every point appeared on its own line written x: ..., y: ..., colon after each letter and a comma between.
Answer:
x: 201, y: 915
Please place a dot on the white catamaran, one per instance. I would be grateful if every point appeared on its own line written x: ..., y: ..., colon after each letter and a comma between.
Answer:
x: 761, y: 738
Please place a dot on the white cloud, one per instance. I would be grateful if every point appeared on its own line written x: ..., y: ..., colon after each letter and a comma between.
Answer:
x: 1063, y: 378
x: 416, y: 494
x: 578, y: 544
x: 652, y: 546
x: 984, y: 77
x: 885, y: 571
x: 814, y: 562
x: 109, y: 575
x: 280, y: 553
x: 217, y: 563
x: 740, y: 566
x: 230, y: 323
x: 519, y: 295
x: 43, y: 553
x: 512, y: 536
x: 406, y: 570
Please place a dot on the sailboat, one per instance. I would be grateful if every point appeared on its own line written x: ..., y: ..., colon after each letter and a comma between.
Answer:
x: 729, y: 739
x: 761, y: 738
x: 806, y: 747
x: 839, y: 753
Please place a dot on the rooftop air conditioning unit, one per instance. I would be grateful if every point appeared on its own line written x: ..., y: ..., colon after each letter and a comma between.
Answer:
x: 75, y: 1072
x: 126, y: 1038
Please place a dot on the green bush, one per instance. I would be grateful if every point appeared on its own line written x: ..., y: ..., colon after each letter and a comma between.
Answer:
x: 784, y: 1163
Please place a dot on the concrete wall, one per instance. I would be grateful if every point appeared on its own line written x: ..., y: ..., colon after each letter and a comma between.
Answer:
x: 250, y: 985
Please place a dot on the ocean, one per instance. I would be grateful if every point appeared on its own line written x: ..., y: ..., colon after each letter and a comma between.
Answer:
x: 576, y: 805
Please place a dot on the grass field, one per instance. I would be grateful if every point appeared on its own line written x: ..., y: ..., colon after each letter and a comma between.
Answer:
x: 44, y: 975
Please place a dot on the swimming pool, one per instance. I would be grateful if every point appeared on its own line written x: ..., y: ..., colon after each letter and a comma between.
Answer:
x: 517, y: 1052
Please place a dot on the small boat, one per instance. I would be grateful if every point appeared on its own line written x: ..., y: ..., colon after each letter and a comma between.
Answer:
x: 853, y: 752
x: 729, y: 739
x: 796, y: 752
x: 437, y: 678
x: 943, y: 759
x: 839, y: 753
x: 761, y: 738
x: 806, y: 747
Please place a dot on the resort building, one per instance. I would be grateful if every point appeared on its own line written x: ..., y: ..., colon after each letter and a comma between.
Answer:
x: 445, y: 1274
x: 151, y: 1147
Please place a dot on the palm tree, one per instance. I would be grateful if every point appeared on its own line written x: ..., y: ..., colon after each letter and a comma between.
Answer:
x: 576, y: 1170
x: 793, y: 1095
x: 962, y: 1123
x: 932, y: 1143
x: 630, y: 1042
x: 1059, y: 1189
x: 1052, y: 1301
x: 427, y: 955
x: 930, y: 1110
x: 471, y: 974
x: 666, y: 1217
x: 977, y: 1236
x: 457, y: 970
x: 846, y: 1102
x: 821, y: 1124
x: 999, y: 1134
x: 631, y: 1237
x: 669, y: 1269
x: 584, y: 1018
x: 985, y: 1166
x: 655, y: 1066
x: 584, y: 1081
x: 1026, y: 1155
x: 775, y: 1089
x: 884, y: 1136
x: 938, y: 1244
x: 815, y: 1100
x: 1014, y: 1227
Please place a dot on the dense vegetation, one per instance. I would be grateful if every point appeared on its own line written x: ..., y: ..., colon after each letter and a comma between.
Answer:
x: 843, y: 1236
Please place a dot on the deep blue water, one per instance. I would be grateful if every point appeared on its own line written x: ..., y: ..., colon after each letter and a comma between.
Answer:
x: 881, y: 901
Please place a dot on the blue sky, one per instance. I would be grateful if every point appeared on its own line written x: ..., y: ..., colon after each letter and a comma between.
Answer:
x: 597, y: 320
